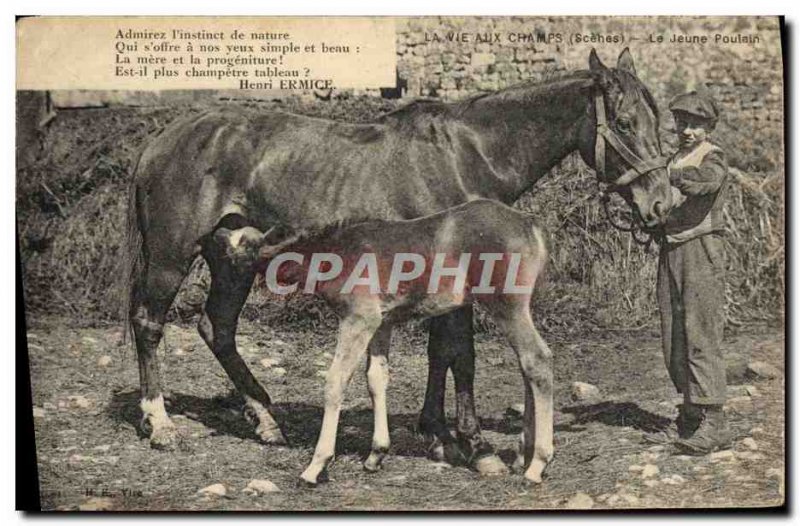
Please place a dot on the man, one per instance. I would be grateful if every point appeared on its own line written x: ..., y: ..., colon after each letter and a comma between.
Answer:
x: 691, y: 286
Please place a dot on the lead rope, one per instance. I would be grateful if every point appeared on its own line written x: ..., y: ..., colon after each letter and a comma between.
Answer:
x: 634, y: 228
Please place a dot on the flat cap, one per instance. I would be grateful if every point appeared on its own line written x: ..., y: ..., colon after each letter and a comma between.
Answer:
x: 695, y: 104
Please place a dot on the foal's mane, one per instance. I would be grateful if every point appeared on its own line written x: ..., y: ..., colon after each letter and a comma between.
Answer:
x: 327, y: 231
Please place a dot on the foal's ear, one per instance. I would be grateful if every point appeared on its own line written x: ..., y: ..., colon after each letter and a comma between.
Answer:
x: 625, y: 62
x: 595, y: 64
x: 277, y: 234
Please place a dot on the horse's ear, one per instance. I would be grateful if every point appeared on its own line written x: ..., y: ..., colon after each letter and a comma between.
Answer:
x: 595, y: 64
x: 625, y: 62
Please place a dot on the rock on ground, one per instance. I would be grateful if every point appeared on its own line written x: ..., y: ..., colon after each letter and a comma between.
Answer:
x: 266, y: 363
x: 104, y: 361
x: 650, y: 470
x: 719, y: 456
x: 750, y: 444
x: 673, y: 480
x: 580, y: 501
x: 261, y: 486
x: 583, y: 392
x: 79, y: 401
x: 214, y: 490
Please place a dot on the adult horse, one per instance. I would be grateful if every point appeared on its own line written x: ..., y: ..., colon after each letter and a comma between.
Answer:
x: 236, y: 168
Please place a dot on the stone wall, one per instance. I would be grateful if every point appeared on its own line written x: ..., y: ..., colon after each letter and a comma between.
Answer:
x: 746, y: 79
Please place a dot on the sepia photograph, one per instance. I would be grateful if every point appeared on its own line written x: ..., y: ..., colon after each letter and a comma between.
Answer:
x: 433, y: 263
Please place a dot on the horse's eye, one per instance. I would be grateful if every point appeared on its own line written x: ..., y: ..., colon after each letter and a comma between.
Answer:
x: 623, y: 125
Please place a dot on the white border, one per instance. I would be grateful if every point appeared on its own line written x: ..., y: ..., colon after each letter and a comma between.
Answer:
x: 339, y: 7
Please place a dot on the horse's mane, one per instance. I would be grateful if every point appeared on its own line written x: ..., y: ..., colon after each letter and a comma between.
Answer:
x: 549, y: 81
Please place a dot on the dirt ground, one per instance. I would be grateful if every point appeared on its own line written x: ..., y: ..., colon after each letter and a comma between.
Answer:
x: 90, y: 455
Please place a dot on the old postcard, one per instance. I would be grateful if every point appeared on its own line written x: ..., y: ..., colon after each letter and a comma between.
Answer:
x: 418, y: 264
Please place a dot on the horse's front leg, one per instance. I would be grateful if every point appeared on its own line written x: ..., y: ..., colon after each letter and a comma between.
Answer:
x: 451, y: 345
x: 230, y: 287
x: 377, y: 382
x: 355, y: 333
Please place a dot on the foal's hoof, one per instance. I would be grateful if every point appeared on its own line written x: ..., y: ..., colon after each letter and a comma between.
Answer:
x: 307, y: 481
x: 535, y: 471
x: 490, y: 466
x: 305, y: 484
x: 374, y: 462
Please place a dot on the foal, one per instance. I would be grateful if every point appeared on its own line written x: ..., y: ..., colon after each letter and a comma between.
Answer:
x: 481, y: 251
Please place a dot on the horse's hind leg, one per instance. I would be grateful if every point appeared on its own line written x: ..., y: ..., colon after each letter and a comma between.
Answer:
x: 377, y: 382
x: 451, y: 345
x: 229, y: 289
x: 536, y: 364
x: 152, y: 295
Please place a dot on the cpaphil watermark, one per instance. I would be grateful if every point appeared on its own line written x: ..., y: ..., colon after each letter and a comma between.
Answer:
x: 398, y: 273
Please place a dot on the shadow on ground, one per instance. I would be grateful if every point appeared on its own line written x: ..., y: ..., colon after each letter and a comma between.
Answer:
x: 300, y: 422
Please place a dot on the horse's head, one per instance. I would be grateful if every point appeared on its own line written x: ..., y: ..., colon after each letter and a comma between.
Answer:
x: 624, y: 145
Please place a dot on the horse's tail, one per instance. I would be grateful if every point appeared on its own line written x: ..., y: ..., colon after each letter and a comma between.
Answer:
x: 134, y: 260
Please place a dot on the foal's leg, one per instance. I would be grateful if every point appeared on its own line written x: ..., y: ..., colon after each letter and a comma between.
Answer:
x: 536, y: 364
x: 355, y: 333
x: 377, y: 382
x: 229, y: 289
x: 151, y: 295
x: 451, y: 345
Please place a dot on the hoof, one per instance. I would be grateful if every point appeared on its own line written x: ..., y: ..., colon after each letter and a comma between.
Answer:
x: 535, y: 471
x: 308, y: 481
x: 305, y: 484
x: 490, y: 466
x: 271, y: 436
x: 436, y: 451
x: 519, y: 464
x: 146, y: 427
x: 250, y: 415
x: 372, y: 466
x: 533, y: 480
x: 448, y: 452
x: 374, y: 462
x: 164, y: 439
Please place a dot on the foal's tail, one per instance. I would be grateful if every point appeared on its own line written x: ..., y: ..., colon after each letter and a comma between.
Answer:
x: 134, y: 260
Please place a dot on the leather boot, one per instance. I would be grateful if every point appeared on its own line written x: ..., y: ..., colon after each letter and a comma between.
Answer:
x: 711, y: 435
x: 682, y: 427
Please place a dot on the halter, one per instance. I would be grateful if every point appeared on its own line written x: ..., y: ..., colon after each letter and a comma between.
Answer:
x: 638, y: 166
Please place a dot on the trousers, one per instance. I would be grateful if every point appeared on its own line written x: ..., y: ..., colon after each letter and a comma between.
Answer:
x: 691, y: 300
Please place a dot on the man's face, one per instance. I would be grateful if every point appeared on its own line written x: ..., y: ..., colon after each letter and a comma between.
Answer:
x: 691, y: 129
